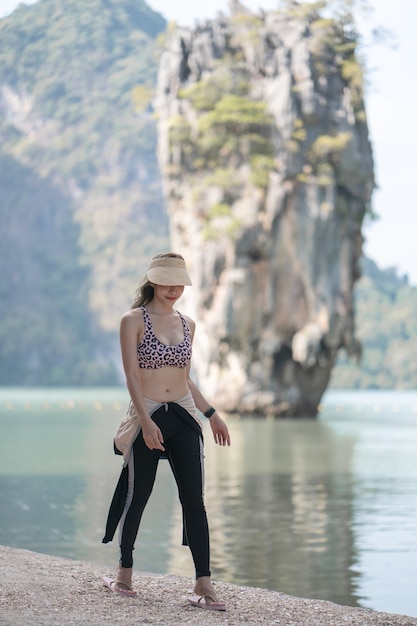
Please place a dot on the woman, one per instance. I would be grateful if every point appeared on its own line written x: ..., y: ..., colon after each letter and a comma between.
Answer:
x: 162, y: 420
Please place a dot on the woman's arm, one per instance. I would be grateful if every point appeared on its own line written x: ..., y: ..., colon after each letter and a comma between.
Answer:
x: 218, y: 426
x: 131, y: 330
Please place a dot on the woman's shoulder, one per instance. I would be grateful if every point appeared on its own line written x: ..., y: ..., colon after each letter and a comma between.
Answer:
x: 133, y: 316
x: 190, y: 322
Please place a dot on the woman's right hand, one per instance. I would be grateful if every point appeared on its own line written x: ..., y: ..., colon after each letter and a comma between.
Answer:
x: 152, y: 435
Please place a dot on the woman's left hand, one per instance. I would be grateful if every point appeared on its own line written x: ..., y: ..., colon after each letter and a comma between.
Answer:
x: 220, y: 430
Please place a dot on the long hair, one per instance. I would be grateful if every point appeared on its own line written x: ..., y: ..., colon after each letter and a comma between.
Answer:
x: 145, y: 292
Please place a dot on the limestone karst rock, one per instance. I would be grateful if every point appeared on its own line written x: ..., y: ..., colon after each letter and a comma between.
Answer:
x: 268, y: 173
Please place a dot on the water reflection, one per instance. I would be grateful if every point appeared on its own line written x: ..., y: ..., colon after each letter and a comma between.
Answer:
x: 282, y: 509
x: 322, y: 509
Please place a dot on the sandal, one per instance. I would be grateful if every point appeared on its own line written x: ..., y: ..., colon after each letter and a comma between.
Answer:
x: 201, y: 602
x: 124, y: 579
x: 110, y: 583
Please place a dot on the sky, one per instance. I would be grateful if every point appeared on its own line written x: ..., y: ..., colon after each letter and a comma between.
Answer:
x: 391, y: 98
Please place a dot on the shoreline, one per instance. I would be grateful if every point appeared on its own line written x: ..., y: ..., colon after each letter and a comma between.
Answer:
x: 44, y: 590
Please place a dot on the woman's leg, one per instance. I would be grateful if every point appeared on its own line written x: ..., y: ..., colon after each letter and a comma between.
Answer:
x: 142, y: 471
x: 187, y: 463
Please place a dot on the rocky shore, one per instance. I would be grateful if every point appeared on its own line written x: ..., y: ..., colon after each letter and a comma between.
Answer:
x: 42, y: 590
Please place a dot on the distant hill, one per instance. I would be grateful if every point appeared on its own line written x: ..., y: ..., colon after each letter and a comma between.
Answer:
x: 386, y: 325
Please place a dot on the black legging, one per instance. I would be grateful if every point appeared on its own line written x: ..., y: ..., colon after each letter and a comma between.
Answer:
x: 184, y: 449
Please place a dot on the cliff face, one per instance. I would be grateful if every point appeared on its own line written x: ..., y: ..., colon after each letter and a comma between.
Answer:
x: 268, y: 173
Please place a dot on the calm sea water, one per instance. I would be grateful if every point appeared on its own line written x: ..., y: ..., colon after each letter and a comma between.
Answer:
x: 322, y: 508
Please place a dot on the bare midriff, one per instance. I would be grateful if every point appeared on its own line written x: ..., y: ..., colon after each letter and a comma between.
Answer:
x: 166, y: 384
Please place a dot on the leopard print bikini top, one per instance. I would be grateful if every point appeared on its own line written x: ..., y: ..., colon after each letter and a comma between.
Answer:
x: 153, y: 354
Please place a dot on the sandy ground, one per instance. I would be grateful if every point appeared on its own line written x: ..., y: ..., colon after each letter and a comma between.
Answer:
x: 36, y: 589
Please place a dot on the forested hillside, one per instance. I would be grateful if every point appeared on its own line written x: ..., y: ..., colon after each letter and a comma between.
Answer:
x: 47, y: 335
x: 80, y: 205
x: 386, y: 323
